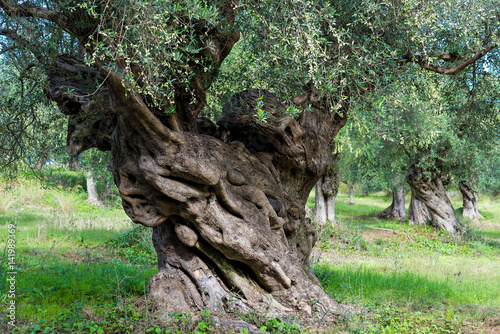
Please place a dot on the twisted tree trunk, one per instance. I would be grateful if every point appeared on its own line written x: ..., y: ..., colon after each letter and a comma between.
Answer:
x: 432, y: 194
x: 417, y: 212
x: 226, y: 202
x: 397, y: 207
x: 469, y: 209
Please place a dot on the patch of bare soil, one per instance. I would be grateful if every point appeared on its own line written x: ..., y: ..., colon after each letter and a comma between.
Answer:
x: 379, y: 233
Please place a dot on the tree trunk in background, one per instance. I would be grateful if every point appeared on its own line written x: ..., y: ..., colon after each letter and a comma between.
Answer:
x: 469, y: 202
x: 320, y: 203
x: 330, y: 204
x: 432, y: 194
x: 417, y: 212
x: 93, y: 197
x: 326, y: 193
x: 42, y: 160
x: 108, y: 190
x: 397, y: 207
x: 365, y: 193
x: 351, y: 195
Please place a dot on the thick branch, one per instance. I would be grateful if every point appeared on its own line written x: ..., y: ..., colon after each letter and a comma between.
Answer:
x: 28, y: 10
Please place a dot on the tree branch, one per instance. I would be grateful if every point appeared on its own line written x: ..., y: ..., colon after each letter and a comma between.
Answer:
x: 460, y: 67
x: 6, y: 48
x: 28, y: 10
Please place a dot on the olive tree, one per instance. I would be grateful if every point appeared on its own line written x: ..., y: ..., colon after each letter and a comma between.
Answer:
x: 446, y: 127
x: 226, y: 200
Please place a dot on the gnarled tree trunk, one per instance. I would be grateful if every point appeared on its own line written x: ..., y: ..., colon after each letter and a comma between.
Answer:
x: 226, y: 202
x: 469, y: 209
x: 397, y: 207
x: 227, y: 210
x: 417, y: 212
x: 432, y: 194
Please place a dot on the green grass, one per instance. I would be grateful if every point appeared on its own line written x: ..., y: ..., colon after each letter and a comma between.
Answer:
x: 45, y: 292
x: 410, y: 278
x: 64, y: 262
x: 418, y: 281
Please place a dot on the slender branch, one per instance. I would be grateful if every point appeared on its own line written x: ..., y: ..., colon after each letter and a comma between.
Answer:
x: 460, y: 67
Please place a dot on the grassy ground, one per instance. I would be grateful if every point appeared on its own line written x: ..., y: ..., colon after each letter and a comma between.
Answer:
x: 410, y: 279
x: 83, y: 269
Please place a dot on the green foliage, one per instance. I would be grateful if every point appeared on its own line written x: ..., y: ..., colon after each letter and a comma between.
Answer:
x: 96, y: 162
x: 159, y: 39
x: 276, y: 325
x: 135, y: 246
x: 369, y: 161
x: 29, y: 122
x: 442, y: 125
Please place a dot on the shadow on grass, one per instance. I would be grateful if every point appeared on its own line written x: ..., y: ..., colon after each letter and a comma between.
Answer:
x: 367, y: 285
x: 358, y: 209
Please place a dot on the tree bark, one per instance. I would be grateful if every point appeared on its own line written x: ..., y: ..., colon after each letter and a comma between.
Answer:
x: 226, y: 202
x: 351, y: 195
x: 469, y: 209
x: 431, y: 192
x: 417, y: 212
x: 227, y: 215
x: 93, y: 197
x: 397, y: 207
x: 320, y: 210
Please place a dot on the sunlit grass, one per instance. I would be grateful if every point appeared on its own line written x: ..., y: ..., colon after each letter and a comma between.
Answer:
x: 417, y: 280
x: 410, y: 278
